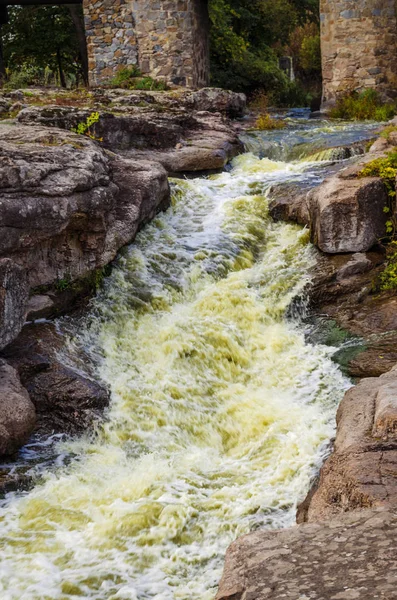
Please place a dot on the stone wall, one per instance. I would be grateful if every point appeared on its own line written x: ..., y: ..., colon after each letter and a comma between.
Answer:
x: 111, y: 38
x: 359, y: 47
x: 167, y: 39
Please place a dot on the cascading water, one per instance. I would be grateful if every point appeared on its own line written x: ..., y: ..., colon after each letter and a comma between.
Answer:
x: 220, y: 410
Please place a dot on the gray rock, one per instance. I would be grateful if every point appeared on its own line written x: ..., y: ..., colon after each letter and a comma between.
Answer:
x: 358, y: 263
x: 347, y: 214
x: 352, y: 558
x: 181, y: 140
x: 66, y: 400
x: 360, y: 473
x: 4, y: 107
x: 67, y: 205
x: 39, y: 306
x: 17, y: 413
x: 14, y: 291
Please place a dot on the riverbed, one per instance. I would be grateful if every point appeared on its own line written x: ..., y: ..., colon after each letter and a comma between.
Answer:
x: 221, y: 411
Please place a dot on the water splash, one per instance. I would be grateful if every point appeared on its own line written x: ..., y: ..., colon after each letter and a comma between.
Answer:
x: 220, y: 410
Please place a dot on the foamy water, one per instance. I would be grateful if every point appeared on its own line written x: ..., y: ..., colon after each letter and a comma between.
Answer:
x: 220, y: 410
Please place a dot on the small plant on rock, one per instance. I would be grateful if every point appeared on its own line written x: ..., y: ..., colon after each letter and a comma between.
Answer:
x: 266, y: 122
x: 84, y: 127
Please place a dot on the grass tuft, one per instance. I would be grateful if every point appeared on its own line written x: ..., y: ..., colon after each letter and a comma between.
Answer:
x: 363, y: 106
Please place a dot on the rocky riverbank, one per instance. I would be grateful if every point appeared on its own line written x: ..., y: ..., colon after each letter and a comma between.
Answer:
x: 346, y: 218
x: 69, y: 203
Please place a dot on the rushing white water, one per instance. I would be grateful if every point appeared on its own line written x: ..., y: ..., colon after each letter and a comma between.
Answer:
x: 220, y: 410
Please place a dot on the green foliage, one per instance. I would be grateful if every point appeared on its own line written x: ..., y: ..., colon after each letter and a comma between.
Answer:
x: 247, y: 39
x: 386, y: 168
x: 84, y: 127
x: 385, y: 133
x: 388, y: 277
x: 310, y: 53
x: 366, y: 105
x: 266, y: 122
x: 130, y: 78
x: 40, y: 47
x: 63, y: 284
x: 27, y: 75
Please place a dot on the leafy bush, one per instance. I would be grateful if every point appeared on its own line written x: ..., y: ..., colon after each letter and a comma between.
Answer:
x: 310, y: 53
x: 266, y: 122
x: 366, y: 105
x: 247, y: 39
x: 27, y: 75
x: 130, y: 78
x: 388, y: 277
x: 386, y: 168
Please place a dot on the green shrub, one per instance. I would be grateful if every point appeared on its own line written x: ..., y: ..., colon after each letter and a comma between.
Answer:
x: 388, y: 277
x: 130, y: 78
x: 363, y: 106
x: 386, y: 168
x: 385, y: 133
x: 27, y: 75
x: 266, y: 122
x: 310, y: 53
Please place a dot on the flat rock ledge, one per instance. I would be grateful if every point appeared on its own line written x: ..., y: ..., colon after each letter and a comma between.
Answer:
x: 183, y: 132
x: 351, y: 558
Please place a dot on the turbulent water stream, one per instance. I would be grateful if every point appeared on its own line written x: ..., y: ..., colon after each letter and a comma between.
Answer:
x: 221, y: 410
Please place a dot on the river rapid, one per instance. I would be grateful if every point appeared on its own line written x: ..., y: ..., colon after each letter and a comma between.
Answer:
x: 221, y: 409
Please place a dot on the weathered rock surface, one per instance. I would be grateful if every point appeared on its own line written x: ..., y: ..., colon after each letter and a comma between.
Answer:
x: 351, y: 558
x: 179, y: 139
x: 17, y: 413
x: 65, y: 399
x: 67, y: 207
x: 215, y: 100
x: 345, y: 289
x: 346, y: 215
x: 362, y: 471
x: 378, y: 356
x: 14, y: 291
x: 289, y: 203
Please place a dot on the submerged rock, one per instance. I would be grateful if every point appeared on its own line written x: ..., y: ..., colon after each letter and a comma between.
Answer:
x: 17, y: 413
x: 350, y: 558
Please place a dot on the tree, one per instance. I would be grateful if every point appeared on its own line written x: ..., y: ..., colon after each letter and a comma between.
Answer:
x: 40, y: 38
x: 247, y: 38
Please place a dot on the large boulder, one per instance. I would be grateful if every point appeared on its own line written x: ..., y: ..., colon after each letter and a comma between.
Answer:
x: 347, y: 215
x: 67, y: 205
x: 351, y: 558
x: 17, y: 413
x: 361, y: 472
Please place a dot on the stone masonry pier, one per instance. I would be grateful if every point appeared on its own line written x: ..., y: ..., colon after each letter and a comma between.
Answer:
x: 359, y: 47
x: 166, y: 39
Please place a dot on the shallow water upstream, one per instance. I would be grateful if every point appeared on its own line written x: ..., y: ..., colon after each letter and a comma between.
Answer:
x: 220, y: 411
